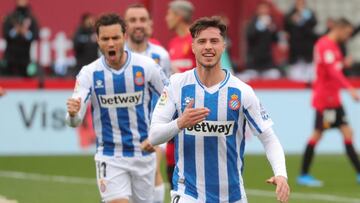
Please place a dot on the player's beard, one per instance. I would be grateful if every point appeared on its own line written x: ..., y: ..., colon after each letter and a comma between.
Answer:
x: 210, y: 66
x: 138, y: 39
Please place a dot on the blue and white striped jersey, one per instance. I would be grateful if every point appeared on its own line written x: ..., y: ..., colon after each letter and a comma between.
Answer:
x: 161, y: 57
x: 120, y: 102
x: 159, y: 54
x: 209, y: 156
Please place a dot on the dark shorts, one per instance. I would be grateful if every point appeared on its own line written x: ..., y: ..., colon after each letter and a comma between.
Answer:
x: 330, y: 118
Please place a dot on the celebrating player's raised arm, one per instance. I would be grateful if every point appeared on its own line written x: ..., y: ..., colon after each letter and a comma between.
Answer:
x: 76, y: 105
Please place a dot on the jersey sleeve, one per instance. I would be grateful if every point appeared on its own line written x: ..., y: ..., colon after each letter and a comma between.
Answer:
x: 255, y: 114
x: 274, y: 152
x: 82, y: 90
x: 163, y: 127
x: 157, y: 78
x: 166, y: 64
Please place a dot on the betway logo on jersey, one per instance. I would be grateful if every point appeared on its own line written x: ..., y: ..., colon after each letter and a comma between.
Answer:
x: 212, y: 128
x: 121, y: 100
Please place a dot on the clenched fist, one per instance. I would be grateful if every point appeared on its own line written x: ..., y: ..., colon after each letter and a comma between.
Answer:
x: 73, y: 106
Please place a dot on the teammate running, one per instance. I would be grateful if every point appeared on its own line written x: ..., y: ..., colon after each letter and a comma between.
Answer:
x: 119, y: 85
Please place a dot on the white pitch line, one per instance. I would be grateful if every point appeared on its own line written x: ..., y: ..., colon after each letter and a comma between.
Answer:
x: 5, y: 200
x: 305, y: 196
x: 253, y: 192
x: 49, y: 178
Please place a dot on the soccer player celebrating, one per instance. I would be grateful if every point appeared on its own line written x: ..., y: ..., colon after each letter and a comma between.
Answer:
x: 119, y: 85
x: 329, y: 63
x: 138, y: 23
x: 213, y: 107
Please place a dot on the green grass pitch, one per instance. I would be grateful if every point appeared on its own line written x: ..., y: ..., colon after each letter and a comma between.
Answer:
x: 67, y: 179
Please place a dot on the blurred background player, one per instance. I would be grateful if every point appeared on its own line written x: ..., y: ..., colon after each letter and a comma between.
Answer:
x: 300, y: 25
x: 138, y: 31
x: 20, y: 28
x: 178, y: 19
x: 329, y: 63
x: 85, y: 46
x: 119, y: 85
x: 261, y: 34
x: 209, y: 100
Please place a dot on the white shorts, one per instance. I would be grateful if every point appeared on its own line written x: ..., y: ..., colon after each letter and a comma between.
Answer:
x: 177, y: 197
x: 126, y: 177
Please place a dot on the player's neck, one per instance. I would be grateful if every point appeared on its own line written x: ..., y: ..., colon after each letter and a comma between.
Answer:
x: 182, y: 29
x: 210, y: 76
x: 138, y: 47
x: 332, y: 36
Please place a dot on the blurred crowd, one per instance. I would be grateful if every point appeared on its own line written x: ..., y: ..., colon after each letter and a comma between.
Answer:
x: 275, y: 47
x: 293, y: 37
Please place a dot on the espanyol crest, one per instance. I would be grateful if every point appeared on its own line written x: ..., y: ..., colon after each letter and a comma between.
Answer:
x: 139, y: 78
x: 234, y: 102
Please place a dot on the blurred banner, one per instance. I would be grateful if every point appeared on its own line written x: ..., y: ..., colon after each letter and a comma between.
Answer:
x: 294, y: 121
x: 33, y: 123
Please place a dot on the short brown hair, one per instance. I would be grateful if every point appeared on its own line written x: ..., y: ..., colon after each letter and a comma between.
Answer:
x: 343, y: 22
x: 137, y: 5
x: 206, y: 22
x: 109, y: 19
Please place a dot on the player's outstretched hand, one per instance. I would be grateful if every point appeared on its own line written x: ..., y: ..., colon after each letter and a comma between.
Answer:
x: 192, y: 116
x: 354, y: 94
x: 73, y: 106
x: 147, y: 146
x: 282, y: 188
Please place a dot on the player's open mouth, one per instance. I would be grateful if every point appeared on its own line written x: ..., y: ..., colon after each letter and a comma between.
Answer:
x: 112, y: 53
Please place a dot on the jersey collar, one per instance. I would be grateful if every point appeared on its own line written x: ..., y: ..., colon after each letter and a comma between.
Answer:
x: 227, y: 76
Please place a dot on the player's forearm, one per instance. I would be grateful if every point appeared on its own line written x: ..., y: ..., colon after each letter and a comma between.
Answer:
x: 274, y: 152
x: 340, y: 77
x: 73, y: 121
x: 163, y: 132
